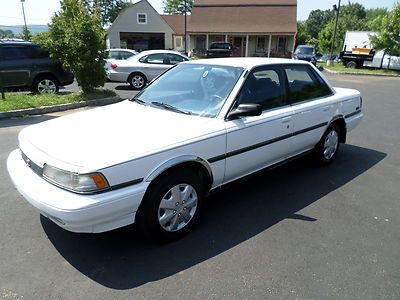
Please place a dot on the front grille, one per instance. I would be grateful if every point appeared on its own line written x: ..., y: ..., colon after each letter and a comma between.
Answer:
x: 34, y: 167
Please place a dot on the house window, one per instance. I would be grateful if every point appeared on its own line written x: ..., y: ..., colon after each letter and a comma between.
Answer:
x: 282, y: 43
x: 142, y: 18
x: 178, y: 42
x: 261, y: 44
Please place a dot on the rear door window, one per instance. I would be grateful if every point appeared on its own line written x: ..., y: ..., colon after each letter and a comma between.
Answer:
x: 175, y: 59
x: 304, y: 84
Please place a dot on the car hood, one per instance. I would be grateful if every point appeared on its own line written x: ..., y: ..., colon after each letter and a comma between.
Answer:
x: 102, y: 137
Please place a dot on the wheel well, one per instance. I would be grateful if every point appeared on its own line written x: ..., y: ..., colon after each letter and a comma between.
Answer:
x: 44, y: 75
x: 342, y: 126
x: 134, y: 73
x: 197, y: 168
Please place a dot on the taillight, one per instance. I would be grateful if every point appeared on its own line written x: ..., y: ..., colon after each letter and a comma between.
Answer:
x: 113, y: 66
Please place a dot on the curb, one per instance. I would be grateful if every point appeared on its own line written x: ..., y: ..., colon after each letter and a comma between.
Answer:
x: 362, y: 74
x: 56, y: 108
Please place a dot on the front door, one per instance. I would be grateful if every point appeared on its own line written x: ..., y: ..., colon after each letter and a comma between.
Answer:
x: 239, y: 46
x: 256, y: 142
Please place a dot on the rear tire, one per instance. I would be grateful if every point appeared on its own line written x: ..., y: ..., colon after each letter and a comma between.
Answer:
x: 45, y: 84
x: 171, y: 206
x: 328, y: 147
x: 351, y: 65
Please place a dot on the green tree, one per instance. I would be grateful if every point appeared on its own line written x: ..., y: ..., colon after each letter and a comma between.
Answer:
x: 109, y: 9
x: 6, y: 34
x: 25, y: 34
x: 388, y: 32
x: 316, y: 20
x: 352, y: 17
x: 78, y: 39
x: 374, y: 13
x: 177, y: 7
x: 301, y: 36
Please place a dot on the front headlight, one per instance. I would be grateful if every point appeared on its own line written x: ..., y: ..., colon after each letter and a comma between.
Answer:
x: 80, y: 183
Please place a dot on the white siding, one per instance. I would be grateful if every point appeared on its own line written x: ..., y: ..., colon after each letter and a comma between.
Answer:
x: 127, y: 22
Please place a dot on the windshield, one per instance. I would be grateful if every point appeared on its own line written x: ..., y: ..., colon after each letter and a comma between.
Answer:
x: 225, y: 46
x: 192, y: 89
x: 305, y: 50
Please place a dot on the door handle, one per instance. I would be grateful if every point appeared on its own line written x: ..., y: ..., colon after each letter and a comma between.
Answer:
x: 326, y: 108
x: 286, y: 120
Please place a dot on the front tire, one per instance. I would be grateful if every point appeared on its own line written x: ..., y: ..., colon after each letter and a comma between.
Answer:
x: 137, y: 81
x: 45, y: 85
x: 171, y: 206
x: 328, y: 147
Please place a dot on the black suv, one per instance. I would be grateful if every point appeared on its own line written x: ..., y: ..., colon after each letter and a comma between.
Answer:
x: 219, y: 49
x: 25, y: 65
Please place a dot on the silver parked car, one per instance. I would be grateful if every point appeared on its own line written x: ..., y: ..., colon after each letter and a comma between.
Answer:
x: 142, y: 68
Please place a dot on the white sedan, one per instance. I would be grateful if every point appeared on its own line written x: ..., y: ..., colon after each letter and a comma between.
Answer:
x: 151, y: 160
x: 142, y: 68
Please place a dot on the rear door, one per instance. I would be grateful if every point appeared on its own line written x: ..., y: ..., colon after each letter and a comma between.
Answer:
x: 15, y: 65
x: 153, y: 65
x: 313, y: 106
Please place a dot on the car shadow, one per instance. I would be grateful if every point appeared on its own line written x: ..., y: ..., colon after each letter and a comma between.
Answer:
x: 120, y: 259
x: 124, y: 88
x: 25, y: 121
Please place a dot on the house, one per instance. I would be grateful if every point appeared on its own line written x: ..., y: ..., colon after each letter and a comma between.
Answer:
x: 140, y: 27
x: 254, y: 27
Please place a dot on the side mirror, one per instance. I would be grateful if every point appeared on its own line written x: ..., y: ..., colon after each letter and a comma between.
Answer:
x: 245, y: 110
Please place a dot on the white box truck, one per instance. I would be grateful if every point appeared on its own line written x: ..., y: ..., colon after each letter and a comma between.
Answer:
x: 358, y: 52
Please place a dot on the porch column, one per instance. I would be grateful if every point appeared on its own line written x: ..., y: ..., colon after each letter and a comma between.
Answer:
x: 206, y: 41
x: 226, y: 38
x: 187, y: 40
x: 247, y: 46
x: 269, y: 45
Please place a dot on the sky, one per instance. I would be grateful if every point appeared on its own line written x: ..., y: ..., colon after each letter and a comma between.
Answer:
x: 40, y: 11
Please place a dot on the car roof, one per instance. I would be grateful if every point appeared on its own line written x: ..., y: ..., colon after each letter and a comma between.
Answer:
x: 15, y: 42
x: 122, y: 49
x: 159, y: 51
x: 246, y: 62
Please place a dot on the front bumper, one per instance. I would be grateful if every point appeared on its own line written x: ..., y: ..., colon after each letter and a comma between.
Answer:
x: 74, y: 212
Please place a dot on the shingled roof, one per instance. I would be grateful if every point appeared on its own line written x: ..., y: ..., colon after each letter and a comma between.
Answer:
x: 177, y: 23
x: 244, y: 16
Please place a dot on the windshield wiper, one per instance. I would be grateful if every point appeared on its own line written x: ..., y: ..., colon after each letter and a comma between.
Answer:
x: 170, y: 107
x: 137, y: 100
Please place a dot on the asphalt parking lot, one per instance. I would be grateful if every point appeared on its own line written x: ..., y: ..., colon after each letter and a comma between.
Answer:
x: 296, y: 232
x: 124, y: 90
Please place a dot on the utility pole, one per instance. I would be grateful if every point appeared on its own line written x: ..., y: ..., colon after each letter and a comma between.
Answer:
x: 23, y: 12
x: 186, y: 52
x: 337, y: 9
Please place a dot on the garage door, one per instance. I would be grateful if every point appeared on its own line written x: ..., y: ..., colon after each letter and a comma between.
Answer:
x: 142, y: 41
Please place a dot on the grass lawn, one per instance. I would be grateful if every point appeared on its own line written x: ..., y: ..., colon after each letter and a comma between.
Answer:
x: 16, y: 101
x: 338, y: 67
